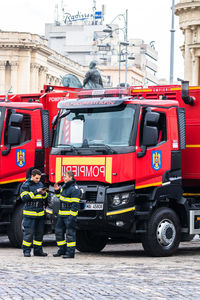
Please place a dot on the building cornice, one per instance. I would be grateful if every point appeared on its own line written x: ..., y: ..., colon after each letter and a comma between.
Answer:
x: 24, y: 41
x: 186, y: 6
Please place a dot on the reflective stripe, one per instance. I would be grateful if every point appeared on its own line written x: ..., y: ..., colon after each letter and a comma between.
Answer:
x: 72, y: 244
x: 26, y: 243
x: 58, y: 195
x: 148, y: 185
x: 37, y: 243
x: 121, y: 211
x: 23, y: 194
x: 61, y: 243
x: 32, y: 196
x: 49, y: 211
x: 44, y: 197
x: 67, y: 199
x: 38, y: 196
x: 67, y: 213
x: 33, y: 213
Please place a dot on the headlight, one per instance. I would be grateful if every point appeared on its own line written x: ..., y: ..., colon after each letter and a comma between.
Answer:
x: 116, y: 200
x: 120, y: 199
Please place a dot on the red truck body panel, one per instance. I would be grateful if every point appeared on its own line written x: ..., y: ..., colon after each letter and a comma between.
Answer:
x: 108, y: 169
x: 120, y: 168
x: 190, y: 156
x: 10, y: 169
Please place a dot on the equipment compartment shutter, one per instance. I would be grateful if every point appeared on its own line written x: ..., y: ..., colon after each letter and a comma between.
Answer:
x: 181, y: 125
x: 45, y: 128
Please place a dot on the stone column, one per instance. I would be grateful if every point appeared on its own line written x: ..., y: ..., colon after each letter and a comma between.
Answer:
x: 195, y: 67
x: 42, y: 77
x: 34, y: 78
x: 195, y: 71
x: 14, y: 73
x: 24, y: 72
x: 2, y: 76
x: 188, y: 58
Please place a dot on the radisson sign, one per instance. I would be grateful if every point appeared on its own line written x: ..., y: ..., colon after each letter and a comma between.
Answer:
x: 68, y: 18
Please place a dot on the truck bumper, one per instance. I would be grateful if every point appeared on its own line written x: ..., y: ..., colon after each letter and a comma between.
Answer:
x: 109, y: 218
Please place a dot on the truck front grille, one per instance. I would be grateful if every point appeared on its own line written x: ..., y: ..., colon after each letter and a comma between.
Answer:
x: 91, y: 196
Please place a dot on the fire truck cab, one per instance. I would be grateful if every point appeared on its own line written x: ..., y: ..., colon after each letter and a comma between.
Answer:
x: 125, y: 153
x: 25, y: 124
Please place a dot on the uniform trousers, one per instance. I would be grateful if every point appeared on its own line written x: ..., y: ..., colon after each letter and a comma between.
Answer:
x: 33, y: 233
x: 66, y: 225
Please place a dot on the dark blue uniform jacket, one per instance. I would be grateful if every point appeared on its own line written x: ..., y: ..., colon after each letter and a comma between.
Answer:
x: 34, y: 201
x: 69, y: 195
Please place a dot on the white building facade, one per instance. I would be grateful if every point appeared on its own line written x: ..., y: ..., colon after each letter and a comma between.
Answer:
x: 86, y: 40
x: 189, y: 22
x: 27, y: 63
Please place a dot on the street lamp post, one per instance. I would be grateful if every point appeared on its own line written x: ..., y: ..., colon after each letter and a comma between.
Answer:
x: 172, y: 47
x: 125, y: 43
x: 123, y: 52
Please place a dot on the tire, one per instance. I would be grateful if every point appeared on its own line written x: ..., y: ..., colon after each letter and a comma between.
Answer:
x: 15, y: 231
x: 88, y: 241
x: 163, y: 233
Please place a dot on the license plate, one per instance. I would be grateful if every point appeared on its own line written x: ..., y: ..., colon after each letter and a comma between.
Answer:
x: 93, y: 206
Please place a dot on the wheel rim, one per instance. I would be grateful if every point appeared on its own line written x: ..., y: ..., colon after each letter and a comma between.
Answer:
x: 166, y: 233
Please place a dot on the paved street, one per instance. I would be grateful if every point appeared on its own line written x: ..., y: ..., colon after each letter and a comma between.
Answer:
x: 118, y: 272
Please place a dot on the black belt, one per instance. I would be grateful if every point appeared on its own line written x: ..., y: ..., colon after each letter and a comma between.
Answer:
x: 38, y: 204
x: 65, y: 205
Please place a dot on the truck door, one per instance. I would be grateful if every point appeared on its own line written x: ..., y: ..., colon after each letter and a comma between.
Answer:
x: 153, y: 154
x: 18, y: 146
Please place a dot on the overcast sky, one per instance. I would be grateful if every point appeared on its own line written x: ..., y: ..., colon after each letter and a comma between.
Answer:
x: 149, y: 20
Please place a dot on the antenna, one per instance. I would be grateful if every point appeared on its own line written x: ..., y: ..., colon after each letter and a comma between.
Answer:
x: 63, y: 9
x: 94, y: 10
x: 56, y: 16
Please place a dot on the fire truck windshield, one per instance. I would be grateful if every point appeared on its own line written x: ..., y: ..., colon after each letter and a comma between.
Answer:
x: 96, y: 127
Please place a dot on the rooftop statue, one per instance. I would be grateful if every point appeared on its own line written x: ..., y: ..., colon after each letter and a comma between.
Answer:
x: 92, y: 78
x: 70, y: 80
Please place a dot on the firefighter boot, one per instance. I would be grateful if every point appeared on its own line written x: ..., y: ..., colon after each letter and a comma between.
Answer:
x: 68, y: 256
x: 27, y: 254
x: 40, y: 253
x: 61, y: 251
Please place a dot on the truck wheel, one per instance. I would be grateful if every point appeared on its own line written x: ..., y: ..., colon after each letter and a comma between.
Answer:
x: 88, y: 241
x: 15, y: 232
x: 163, y: 233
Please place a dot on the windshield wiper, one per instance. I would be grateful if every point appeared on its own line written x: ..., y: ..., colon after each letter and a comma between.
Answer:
x: 108, y: 148
x: 71, y: 147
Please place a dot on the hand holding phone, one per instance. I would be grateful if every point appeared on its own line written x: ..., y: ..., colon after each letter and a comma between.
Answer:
x: 41, y: 190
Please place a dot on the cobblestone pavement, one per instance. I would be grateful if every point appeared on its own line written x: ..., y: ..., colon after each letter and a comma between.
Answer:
x: 118, y: 272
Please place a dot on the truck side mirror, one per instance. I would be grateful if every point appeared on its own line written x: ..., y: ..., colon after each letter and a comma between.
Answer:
x: 14, y: 134
x: 152, y: 118
x: 150, y: 132
x: 16, y: 119
x: 150, y: 136
x: 54, y: 122
x: 14, y: 131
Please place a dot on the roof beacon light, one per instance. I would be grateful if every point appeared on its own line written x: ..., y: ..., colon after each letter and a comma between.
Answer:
x: 103, y: 93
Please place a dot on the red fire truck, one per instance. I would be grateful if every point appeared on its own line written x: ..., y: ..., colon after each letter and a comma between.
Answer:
x: 134, y: 152
x: 25, y: 124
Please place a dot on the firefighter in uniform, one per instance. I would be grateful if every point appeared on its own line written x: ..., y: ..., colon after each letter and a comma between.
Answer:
x: 69, y: 195
x: 33, y: 195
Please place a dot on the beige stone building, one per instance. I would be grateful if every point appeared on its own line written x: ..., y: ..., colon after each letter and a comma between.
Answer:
x: 111, y: 74
x: 27, y: 63
x: 189, y: 21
